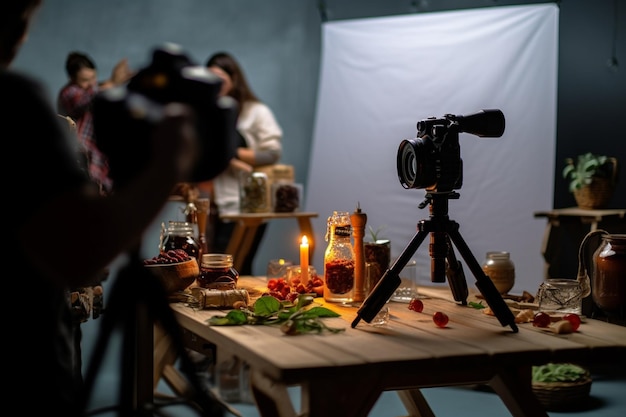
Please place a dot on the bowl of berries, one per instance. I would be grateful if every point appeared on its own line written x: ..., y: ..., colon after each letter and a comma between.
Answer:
x: 176, y: 269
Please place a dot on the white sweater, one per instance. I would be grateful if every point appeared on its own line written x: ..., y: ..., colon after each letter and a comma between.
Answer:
x: 263, y: 135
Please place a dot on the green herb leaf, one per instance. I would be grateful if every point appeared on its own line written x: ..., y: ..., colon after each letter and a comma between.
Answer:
x: 301, y: 318
x: 479, y: 305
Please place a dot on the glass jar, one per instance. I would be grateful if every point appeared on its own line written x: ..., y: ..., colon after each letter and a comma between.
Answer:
x: 217, y: 272
x: 179, y: 235
x: 254, y: 192
x: 500, y: 270
x: 339, y: 259
x: 609, y: 274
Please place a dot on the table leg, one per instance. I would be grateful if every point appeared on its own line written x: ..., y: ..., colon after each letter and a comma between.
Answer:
x: 514, y: 387
x: 318, y: 398
x: 272, y: 398
x: 415, y: 403
x: 241, y: 241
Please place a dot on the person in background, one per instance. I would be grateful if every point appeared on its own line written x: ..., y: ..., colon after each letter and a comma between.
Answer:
x: 75, y: 100
x: 260, y: 144
x: 90, y: 230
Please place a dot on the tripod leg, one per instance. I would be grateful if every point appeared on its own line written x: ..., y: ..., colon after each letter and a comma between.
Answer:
x: 388, y: 283
x: 484, y: 284
x: 456, y: 276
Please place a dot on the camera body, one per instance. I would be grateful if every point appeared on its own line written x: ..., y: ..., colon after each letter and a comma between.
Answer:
x: 433, y: 160
x: 125, y: 117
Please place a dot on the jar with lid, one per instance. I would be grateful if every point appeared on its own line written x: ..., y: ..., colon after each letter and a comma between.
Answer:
x: 608, y: 284
x: 217, y: 272
x: 339, y: 259
x: 500, y: 269
x: 254, y: 192
x: 179, y: 235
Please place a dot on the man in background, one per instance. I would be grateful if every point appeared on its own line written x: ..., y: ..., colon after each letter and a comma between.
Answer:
x: 75, y: 100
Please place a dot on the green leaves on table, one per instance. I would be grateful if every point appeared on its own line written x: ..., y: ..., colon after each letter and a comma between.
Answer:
x: 479, y: 305
x: 299, y: 318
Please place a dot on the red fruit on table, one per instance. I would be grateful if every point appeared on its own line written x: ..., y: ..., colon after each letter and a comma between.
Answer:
x: 574, y: 320
x: 440, y: 319
x: 416, y: 305
x: 542, y: 319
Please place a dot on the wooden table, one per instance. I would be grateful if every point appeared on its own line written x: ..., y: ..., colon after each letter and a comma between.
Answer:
x: 247, y: 223
x: 344, y: 374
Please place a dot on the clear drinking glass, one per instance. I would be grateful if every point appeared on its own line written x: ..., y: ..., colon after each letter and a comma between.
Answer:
x: 560, y: 296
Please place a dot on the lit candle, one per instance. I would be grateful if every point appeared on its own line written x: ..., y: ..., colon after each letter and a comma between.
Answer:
x: 304, y: 261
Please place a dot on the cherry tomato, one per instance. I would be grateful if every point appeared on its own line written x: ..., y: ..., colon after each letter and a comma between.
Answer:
x: 416, y: 305
x: 440, y: 319
x: 574, y: 320
x: 541, y: 319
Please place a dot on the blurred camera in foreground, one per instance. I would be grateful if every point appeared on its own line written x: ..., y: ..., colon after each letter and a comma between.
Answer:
x: 433, y: 160
x: 124, y: 117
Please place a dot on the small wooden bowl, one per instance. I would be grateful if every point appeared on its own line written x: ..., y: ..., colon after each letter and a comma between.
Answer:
x: 178, y: 276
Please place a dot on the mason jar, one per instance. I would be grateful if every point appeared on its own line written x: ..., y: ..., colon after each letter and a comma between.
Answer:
x: 500, y: 270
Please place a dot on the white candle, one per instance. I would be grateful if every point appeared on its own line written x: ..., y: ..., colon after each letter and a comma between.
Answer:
x: 304, y: 261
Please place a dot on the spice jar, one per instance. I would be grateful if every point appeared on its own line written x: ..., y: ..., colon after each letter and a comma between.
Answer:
x: 253, y: 192
x: 179, y: 235
x: 609, y: 277
x: 500, y: 269
x: 339, y: 259
x: 217, y: 272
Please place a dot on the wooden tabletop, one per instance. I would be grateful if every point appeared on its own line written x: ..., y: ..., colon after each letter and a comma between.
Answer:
x: 344, y: 374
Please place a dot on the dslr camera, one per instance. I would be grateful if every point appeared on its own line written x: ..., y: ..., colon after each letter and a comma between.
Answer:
x: 433, y: 160
x: 125, y: 116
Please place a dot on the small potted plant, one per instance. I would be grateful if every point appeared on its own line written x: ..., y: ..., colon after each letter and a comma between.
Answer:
x: 592, y: 179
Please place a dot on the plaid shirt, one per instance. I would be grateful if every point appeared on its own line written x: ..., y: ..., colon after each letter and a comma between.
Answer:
x: 76, y: 103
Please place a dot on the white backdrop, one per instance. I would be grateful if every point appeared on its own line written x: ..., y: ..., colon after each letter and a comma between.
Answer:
x: 380, y: 76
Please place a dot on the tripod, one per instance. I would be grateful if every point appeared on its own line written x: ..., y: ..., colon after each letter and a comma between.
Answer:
x: 443, y: 233
x: 137, y: 301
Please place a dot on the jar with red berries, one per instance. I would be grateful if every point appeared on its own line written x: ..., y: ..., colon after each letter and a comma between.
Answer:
x: 179, y: 235
x: 339, y: 259
x: 217, y: 272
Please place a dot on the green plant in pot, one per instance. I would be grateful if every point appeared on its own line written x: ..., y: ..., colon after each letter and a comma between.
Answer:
x: 592, y: 179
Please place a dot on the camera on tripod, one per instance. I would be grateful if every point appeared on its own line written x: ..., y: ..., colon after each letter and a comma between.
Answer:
x: 124, y: 117
x: 433, y: 160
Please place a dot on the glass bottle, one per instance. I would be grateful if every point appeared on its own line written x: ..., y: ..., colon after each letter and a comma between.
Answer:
x: 217, y: 272
x: 500, y: 269
x: 179, y: 235
x: 339, y: 259
x: 609, y: 274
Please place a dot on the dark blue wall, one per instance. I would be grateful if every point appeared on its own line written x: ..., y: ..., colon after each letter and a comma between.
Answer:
x: 278, y: 43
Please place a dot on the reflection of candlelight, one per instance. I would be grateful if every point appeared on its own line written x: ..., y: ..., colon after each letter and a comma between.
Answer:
x: 304, y: 261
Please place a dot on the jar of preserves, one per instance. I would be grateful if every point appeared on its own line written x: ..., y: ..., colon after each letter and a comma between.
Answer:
x: 500, y: 270
x: 608, y: 287
x: 179, y: 235
x: 217, y: 272
x: 339, y: 259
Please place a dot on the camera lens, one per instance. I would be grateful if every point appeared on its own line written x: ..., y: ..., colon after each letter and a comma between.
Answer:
x: 415, y: 167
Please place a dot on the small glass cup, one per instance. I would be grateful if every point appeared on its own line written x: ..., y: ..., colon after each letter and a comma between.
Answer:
x: 277, y: 268
x: 408, y: 287
x: 560, y: 296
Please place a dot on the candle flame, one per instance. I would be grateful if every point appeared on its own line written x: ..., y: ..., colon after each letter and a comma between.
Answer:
x: 305, y: 241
